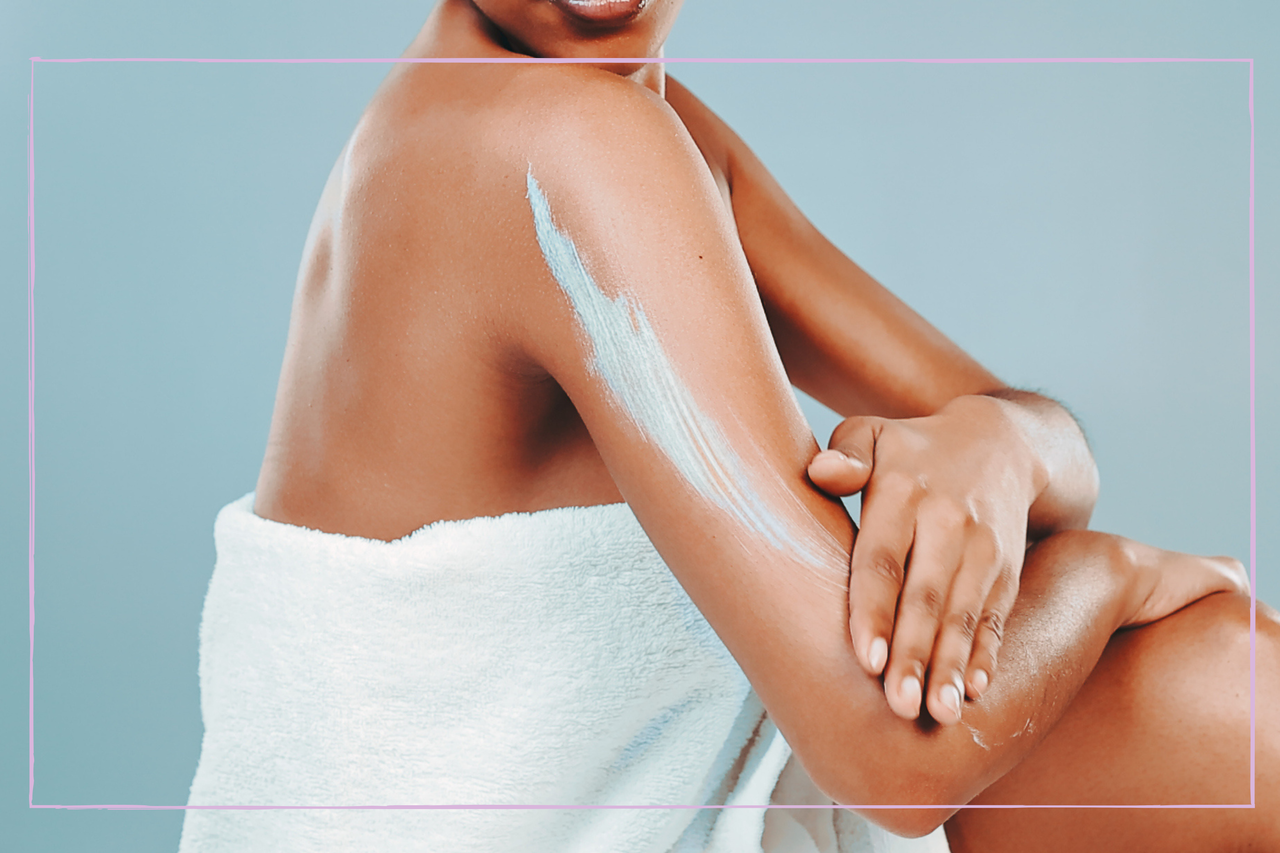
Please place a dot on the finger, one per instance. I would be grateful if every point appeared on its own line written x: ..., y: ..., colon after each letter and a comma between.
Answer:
x: 876, y: 569
x: 954, y: 646
x: 986, y: 644
x: 990, y: 632
x: 839, y: 475
x: 935, y: 555
x: 845, y: 467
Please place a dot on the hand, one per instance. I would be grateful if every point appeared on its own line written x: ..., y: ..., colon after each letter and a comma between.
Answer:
x: 1167, y: 581
x: 936, y: 565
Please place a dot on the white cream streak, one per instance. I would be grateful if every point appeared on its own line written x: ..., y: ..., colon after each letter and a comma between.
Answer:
x: 629, y: 358
x: 977, y: 737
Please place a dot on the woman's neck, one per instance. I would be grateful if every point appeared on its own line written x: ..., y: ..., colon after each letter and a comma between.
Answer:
x: 457, y: 29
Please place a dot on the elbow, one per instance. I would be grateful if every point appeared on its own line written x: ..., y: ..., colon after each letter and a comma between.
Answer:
x: 907, y: 795
x: 907, y: 823
x: 923, y: 810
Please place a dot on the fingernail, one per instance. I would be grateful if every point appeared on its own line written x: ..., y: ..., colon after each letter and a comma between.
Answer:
x: 878, y: 654
x: 950, y: 696
x: 834, y: 456
x: 980, y: 680
x: 909, y: 692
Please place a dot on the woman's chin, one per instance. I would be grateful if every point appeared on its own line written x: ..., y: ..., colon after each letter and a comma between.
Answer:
x: 593, y: 32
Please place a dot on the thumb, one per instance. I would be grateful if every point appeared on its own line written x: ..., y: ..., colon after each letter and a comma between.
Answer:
x: 845, y: 468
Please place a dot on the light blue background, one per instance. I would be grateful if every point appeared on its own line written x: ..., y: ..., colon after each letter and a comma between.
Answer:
x: 1081, y: 229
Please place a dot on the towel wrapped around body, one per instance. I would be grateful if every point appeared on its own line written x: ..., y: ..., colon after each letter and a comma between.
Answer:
x: 533, y: 659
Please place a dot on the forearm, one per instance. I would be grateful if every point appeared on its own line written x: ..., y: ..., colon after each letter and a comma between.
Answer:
x: 843, y: 338
x: 1063, y: 459
x: 1076, y: 591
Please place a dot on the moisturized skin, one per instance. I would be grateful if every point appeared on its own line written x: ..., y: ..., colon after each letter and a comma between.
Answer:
x: 977, y: 736
x: 628, y: 356
x: 1028, y: 728
x: 420, y: 385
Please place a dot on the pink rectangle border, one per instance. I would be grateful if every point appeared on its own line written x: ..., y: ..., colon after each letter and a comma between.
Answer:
x: 31, y: 495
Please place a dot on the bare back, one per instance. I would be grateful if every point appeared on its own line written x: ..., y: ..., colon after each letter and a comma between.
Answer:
x: 402, y: 400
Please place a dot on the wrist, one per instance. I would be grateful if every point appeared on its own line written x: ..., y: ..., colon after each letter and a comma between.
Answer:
x: 1027, y: 425
x: 1068, y: 484
x: 1016, y: 430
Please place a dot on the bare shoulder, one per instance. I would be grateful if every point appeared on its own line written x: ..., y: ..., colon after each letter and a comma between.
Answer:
x: 497, y: 117
x: 441, y: 156
x: 441, y: 162
x: 425, y: 300
x: 588, y: 131
x: 582, y: 98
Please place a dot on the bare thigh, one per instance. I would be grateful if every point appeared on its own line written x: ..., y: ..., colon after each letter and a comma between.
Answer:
x: 1163, y: 719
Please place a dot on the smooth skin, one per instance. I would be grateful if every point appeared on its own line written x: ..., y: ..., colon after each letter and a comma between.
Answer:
x: 435, y: 371
x: 951, y: 478
x: 1163, y: 719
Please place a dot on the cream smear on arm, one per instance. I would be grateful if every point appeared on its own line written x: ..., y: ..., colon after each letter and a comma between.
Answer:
x: 628, y: 357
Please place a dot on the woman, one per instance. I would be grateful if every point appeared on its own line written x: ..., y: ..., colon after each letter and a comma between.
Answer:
x: 530, y: 287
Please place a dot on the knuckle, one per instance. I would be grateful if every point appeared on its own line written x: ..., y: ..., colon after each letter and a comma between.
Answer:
x: 1013, y: 562
x: 1007, y: 587
x: 885, y: 567
x: 984, y: 546
x: 986, y: 541
x: 847, y: 431
x: 993, y: 623
x: 963, y: 622
x: 948, y: 515
x: 926, y: 599
x: 900, y: 484
x: 911, y: 665
x: 843, y: 430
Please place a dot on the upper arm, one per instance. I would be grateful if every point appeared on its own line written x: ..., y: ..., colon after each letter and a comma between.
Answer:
x: 845, y: 339
x: 644, y: 312
x: 641, y: 306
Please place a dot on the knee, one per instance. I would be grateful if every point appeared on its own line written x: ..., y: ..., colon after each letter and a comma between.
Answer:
x: 1213, y: 648
x: 1266, y: 648
x: 1264, y: 642
x: 1217, y: 627
x: 1198, y: 661
x: 1220, y: 626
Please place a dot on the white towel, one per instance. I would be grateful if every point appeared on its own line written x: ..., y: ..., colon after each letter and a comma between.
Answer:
x: 544, y: 658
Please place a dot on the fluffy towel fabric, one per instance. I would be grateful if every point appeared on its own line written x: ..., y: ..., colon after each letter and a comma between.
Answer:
x: 547, y: 658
